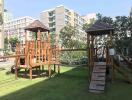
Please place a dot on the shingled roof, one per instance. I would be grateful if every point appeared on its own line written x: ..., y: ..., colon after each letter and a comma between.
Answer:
x: 99, y: 28
x: 37, y: 25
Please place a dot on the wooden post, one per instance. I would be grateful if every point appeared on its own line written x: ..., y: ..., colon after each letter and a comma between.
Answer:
x: 54, y: 67
x: 41, y: 51
x: 92, y: 51
x: 42, y: 67
x: 49, y: 69
x: 58, y: 68
x: 112, y: 65
x: 16, y: 73
x: 17, y: 59
x: 30, y: 72
x: 113, y: 70
x: 38, y: 51
x: 26, y: 50
x: 88, y: 55
x: 31, y: 51
x: 107, y: 56
x: 49, y: 55
x: 45, y: 49
x: 38, y: 35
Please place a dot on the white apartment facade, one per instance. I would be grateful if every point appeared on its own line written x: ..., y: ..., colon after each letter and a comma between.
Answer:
x: 61, y: 16
x: 15, y: 28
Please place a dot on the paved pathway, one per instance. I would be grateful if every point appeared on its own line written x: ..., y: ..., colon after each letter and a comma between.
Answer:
x: 7, y: 64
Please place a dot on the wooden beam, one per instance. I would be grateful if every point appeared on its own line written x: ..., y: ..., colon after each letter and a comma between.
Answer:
x: 11, y: 56
x: 73, y: 50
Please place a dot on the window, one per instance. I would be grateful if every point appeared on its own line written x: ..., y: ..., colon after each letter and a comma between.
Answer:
x: 51, y: 13
x: 75, y: 20
x: 52, y: 19
x: 67, y: 12
x: 76, y: 15
x: 67, y: 17
x: 67, y: 23
x: 52, y: 24
x: 52, y: 29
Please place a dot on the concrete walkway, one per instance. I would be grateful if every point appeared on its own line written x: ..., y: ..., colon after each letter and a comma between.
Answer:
x: 7, y: 64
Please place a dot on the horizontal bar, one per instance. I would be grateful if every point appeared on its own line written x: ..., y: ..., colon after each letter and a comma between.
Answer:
x: 11, y: 56
x: 73, y: 50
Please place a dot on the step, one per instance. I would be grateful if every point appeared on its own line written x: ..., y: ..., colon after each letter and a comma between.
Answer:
x: 98, y: 82
x: 97, y: 86
x: 99, y: 70
x: 100, y: 63
x: 100, y: 74
x: 99, y: 67
x: 96, y: 91
x: 97, y: 77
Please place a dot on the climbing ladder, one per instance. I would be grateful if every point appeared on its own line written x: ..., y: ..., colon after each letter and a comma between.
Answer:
x: 97, y: 83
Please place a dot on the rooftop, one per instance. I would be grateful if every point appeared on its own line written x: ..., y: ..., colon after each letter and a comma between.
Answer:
x: 37, y: 25
x: 99, y: 28
x: 21, y: 18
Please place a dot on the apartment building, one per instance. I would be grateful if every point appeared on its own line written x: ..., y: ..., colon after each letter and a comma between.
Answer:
x: 61, y: 16
x: 1, y: 24
x: 89, y: 17
x: 15, y: 28
x: 7, y: 15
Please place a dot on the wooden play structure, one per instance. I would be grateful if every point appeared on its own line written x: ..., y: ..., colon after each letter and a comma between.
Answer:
x: 97, y: 68
x: 36, y: 53
x: 103, y: 68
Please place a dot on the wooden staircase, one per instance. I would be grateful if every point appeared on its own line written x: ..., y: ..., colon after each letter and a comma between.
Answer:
x: 97, y: 83
x: 123, y: 68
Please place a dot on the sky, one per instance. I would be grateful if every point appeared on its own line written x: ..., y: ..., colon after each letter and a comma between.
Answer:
x: 33, y: 8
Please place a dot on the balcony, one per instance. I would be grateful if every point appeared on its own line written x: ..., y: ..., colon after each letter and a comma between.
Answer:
x: 51, y: 13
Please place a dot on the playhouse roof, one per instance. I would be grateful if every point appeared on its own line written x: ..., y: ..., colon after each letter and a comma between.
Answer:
x: 37, y: 25
x: 99, y: 28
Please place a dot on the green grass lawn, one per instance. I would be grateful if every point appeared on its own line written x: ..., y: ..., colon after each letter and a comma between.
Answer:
x: 71, y: 84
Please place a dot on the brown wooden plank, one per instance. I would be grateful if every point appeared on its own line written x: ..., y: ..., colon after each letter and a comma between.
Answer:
x: 99, y: 70
x: 73, y: 50
x: 99, y: 67
x: 11, y: 56
x: 98, y: 82
x: 96, y: 77
x: 96, y: 91
x: 100, y: 74
x: 94, y: 86
x: 100, y: 63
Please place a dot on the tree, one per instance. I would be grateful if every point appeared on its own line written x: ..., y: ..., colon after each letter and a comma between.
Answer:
x: 53, y: 38
x: 70, y: 39
x: 6, y: 41
x: 13, y: 42
x: 121, y: 25
x: 87, y: 25
x: 67, y: 36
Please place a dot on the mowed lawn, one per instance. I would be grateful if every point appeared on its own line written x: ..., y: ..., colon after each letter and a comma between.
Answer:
x: 71, y: 84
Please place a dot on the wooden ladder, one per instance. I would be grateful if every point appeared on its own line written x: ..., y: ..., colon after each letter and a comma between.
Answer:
x: 97, y: 83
